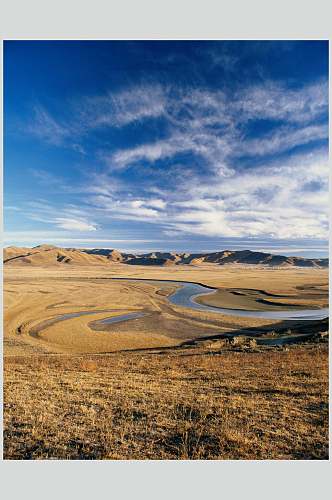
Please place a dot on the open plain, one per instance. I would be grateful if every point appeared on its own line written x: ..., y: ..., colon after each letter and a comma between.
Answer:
x: 169, y: 381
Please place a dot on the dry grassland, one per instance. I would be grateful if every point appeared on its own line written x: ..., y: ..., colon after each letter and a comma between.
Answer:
x: 70, y: 393
x: 179, y: 405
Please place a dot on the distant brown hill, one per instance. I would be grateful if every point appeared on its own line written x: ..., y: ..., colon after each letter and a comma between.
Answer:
x: 49, y: 255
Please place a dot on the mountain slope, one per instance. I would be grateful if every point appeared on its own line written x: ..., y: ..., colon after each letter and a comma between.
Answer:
x: 51, y: 256
x: 48, y: 255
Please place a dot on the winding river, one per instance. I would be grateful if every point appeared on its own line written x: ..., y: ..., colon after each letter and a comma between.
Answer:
x: 185, y: 296
x: 187, y: 293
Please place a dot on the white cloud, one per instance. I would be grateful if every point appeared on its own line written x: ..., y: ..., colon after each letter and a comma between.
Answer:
x: 283, y: 139
x: 11, y: 207
x: 213, y: 197
x: 156, y: 203
x: 74, y: 224
x: 117, y: 109
x: 150, y: 152
x: 284, y: 200
x: 124, y: 209
x: 277, y: 102
x: 38, y: 237
x: 45, y: 127
x: 272, y: 201
x: 264, y: 201
x: 209, y: 124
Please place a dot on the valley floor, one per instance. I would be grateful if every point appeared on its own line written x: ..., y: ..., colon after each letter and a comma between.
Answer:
x: 169, y: 385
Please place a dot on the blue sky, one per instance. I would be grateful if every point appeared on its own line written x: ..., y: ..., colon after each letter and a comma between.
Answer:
x: 169, y: 145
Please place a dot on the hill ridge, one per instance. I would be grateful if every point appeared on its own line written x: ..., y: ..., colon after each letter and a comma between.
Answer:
x: 49, y: 255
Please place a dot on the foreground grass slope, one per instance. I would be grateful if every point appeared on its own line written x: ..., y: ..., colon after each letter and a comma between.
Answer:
x: 173, y: 404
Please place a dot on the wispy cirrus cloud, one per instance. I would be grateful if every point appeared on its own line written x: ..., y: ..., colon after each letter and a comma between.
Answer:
x: 53, y: 131
x: 273, y: 201
x: 113, y: 109
x: 12, y: 208
x: 127, y: 209
x: 149, y: 152
x: 283, y: 139
x: 118, y: 109
x: 286, y: 199
x: 46, y: 128
x: 275, y: 101
x: 207, y: 123
x: 209, y: 193
x: 74, y: 224
x: 69, y: 217
x: 44, y: 177
x: 211, y: 125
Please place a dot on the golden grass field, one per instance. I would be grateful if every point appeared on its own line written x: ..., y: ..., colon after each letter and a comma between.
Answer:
x: 139, y: 389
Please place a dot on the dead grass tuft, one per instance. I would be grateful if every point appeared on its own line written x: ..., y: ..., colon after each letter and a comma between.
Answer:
x: 87, y: 365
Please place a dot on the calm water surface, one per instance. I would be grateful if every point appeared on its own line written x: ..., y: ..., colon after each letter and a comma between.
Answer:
x: 187, y: 293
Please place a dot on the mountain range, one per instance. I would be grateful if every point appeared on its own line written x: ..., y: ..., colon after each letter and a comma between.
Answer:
x: 49, y: 255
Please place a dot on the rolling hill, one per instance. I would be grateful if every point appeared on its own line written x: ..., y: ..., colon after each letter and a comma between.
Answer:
x: 49, y: 255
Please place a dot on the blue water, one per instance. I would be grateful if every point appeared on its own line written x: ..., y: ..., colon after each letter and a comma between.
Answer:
x: 187, y: 293
x: 122, y: 317
x: 185, y: 296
